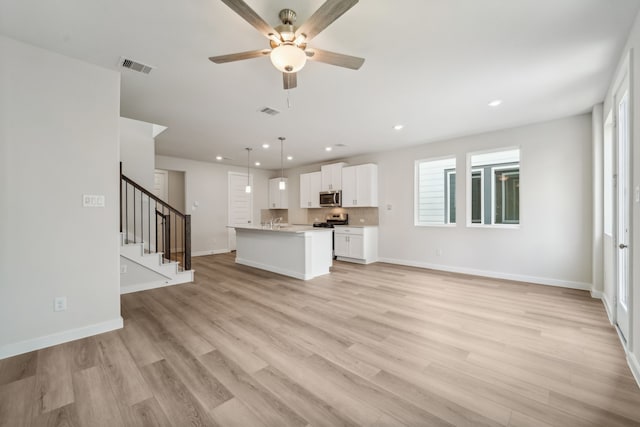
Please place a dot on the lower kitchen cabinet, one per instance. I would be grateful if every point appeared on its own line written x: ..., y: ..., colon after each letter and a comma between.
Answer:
x: 356, y: 244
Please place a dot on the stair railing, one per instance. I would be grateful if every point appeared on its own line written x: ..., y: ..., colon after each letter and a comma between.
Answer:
x: 148, y: 219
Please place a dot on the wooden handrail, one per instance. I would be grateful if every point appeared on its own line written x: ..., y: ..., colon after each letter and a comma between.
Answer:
x: 165, y: 211
x: 152, y: 196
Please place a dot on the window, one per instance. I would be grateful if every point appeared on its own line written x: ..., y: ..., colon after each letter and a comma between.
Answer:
x: 494, y: 197
x: 435, y: 191
x: 476, y: 199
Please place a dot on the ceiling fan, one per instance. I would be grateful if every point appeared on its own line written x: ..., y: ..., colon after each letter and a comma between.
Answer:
x: 289, y: 50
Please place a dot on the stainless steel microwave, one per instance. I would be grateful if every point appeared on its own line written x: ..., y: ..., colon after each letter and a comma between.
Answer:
x: 329, y: 199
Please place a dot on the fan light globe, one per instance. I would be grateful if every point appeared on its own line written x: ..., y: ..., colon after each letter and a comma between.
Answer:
x: 288, y: 58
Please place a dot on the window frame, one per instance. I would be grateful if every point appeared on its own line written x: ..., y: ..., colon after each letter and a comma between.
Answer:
x: 416, y: 191
x: 469, y: 172
x: 493, y: 193
x: 448, y: 173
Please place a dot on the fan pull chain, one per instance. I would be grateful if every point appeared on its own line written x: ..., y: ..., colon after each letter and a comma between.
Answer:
x: 288, y: 99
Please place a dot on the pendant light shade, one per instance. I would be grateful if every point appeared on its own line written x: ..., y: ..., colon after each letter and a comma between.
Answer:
x: 282, y: 185
x: 288, y: 58
x: 247, y: 189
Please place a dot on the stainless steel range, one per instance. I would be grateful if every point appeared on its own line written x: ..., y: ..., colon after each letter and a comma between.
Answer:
x: 335, y: 219
x: 331, y: 220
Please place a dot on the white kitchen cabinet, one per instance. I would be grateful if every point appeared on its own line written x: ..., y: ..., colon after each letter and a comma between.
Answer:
x: 278, y: 199
x: 356, y: 244
x: 310, y: 189
x: 332, y: 177
x: 360, y: 186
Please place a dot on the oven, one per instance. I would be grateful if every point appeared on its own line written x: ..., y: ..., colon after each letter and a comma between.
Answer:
x: 331, y: 220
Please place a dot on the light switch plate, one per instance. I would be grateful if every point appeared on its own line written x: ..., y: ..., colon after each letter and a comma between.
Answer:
x: 92, y: 201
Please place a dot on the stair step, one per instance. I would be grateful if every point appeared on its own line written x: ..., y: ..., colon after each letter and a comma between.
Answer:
x: 132, y: 249
x: 171, y: 270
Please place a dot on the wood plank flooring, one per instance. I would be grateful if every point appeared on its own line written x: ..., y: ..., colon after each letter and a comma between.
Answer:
x: 375, y: 345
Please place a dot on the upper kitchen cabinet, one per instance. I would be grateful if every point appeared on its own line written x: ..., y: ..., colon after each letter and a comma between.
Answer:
x: 360, y: 186
x: 310, y: 189
x: 332, y: 177
x: 278, y: 199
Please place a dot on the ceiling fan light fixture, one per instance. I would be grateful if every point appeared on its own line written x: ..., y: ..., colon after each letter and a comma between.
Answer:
x: 288, y: 58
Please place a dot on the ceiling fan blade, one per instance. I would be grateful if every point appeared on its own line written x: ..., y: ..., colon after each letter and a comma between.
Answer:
x: 290, y: 80
x: 249, y: 15
x: 324, y: 16
x: 339, y: 59
x: 221, y: 59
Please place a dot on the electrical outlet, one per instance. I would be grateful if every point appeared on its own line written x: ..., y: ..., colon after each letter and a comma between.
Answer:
x: 59, y: 303
x: 362, y: 220
x: 123, y: 268
x: 439, y: 252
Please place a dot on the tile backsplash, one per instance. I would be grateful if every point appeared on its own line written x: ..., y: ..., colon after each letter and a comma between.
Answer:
x: 267, y: 214
x: 357, y: 216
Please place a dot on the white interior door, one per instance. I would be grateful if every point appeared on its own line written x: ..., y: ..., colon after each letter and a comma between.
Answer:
x: 161, y: 184
x: 623, y: 202
x: 240, y: 204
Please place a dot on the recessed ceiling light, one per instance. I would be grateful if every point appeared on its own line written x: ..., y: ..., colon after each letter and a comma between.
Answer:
x: 265, y: 145
x: 218, y: 157
x: 257, y: 163
x: 328, y: 148
x: 289, y: 157
x: 398, y: 127
x: 495, y: 103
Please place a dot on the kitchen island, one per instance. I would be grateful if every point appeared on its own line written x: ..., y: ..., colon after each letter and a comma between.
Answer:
x: 303, y: 252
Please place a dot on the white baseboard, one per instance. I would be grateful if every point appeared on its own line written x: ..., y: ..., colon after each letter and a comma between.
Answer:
x: 596, y: 294
x: 21, y: 347
x: 632, y: 360
x: 212, y: 252
x: 181, y: 278
x: 607, y: 307
x: 493, y: 274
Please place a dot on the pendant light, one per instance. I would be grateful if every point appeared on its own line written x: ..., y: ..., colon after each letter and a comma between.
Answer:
x: 247, y: 189
x: 282, y: 185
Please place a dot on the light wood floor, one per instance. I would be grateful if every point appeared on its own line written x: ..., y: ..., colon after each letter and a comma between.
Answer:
x: 375, y: 345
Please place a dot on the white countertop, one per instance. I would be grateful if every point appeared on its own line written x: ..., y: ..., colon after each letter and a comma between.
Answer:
x: 282, y: 229
x: 355, y: 226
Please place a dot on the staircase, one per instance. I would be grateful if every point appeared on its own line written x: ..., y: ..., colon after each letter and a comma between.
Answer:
x: 155, y: 241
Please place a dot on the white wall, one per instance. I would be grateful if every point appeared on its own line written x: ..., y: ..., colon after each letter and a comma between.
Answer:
x: 58, y: 141
x: 207, y: 184
x: 137, y: 151
x: 633, y: 46
x: 552, y: 244
x: 598, y: 200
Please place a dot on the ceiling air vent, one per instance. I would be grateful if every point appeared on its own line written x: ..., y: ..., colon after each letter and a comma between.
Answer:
x: 135, y: 65
x: 269, y: 111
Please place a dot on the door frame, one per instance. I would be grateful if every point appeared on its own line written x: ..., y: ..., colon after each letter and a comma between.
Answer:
x: 231, y: 231
x: 624, y: 77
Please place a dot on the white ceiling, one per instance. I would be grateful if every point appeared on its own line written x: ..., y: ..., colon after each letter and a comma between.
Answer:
x: 431, y: 65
